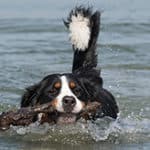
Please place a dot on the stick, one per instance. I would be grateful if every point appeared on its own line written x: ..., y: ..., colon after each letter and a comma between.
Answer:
x: 90, y: 110
x: 25, y: 115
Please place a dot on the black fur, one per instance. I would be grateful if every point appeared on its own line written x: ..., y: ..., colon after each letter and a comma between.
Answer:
x: 93, y: 83
x: 84, y: 74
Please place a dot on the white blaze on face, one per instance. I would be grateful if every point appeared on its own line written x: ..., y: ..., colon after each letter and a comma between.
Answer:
x: 66, y: 91
x: 79, y: 31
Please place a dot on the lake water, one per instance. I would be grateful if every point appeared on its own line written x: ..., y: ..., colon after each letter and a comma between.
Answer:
x: 34, y: 43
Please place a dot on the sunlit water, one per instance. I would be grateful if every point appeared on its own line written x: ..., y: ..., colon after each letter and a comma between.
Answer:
x: 34, y: 43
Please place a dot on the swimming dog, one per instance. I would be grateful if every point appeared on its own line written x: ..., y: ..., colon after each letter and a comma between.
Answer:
x: 71, y: 92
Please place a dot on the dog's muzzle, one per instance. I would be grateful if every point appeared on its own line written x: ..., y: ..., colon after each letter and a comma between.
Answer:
x: 69, y: 103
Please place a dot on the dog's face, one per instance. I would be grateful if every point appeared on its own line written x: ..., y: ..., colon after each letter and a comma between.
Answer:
x: 66, y: 93
x: 69, y: 94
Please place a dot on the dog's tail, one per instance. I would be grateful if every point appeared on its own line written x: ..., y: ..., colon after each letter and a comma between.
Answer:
x: 83, y: 25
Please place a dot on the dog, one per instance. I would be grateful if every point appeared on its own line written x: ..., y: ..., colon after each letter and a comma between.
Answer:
x: 71, y: 92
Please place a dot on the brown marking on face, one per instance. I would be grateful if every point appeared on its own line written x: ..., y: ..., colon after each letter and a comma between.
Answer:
x: 57, y: 85
x: 54, y: 103
x: 72, y: 84
x: 83, y: 105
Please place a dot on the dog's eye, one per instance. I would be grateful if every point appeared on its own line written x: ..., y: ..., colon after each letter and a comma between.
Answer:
x: 55, y: 88
x: 76, y: 91
x: 53, y: 91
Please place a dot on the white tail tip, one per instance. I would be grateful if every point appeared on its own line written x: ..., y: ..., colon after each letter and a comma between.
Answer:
x: 79, y: 31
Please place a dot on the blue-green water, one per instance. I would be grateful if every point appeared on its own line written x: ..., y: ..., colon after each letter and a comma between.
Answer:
x: 34, y: 43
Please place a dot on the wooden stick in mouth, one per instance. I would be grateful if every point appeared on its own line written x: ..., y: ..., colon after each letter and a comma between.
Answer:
x: 25, y: 115
x: 90, y: 109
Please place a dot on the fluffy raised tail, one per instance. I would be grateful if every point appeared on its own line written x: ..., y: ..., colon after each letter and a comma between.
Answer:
x: 83, y: 25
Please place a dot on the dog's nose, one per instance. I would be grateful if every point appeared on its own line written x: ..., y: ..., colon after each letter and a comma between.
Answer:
x: 68, y: 103
x: 69, y: 100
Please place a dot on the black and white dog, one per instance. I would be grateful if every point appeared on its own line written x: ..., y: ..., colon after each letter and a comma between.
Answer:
x: 70, y: 92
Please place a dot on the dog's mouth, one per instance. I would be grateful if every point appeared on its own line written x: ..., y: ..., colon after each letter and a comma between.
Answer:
x: 66, y: 118
x: 88, y: 111
x: 59, y: 118
x: 69, y: 117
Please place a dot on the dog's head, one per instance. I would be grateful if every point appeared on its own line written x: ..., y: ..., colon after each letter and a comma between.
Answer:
x: 68, y: 94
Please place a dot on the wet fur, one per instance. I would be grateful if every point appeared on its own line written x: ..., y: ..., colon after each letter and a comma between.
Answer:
x: 84, y: 73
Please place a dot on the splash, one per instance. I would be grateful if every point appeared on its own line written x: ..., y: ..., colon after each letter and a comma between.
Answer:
x: 130, y: 129
x: 122, y: 130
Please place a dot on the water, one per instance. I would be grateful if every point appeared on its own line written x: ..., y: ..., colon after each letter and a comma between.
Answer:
x: 34, y: 43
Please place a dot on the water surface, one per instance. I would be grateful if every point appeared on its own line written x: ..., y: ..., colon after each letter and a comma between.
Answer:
x: 34, y: 43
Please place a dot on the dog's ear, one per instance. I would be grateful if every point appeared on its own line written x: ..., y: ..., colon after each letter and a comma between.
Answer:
x: 29, y: 98
x: 109, y: 105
